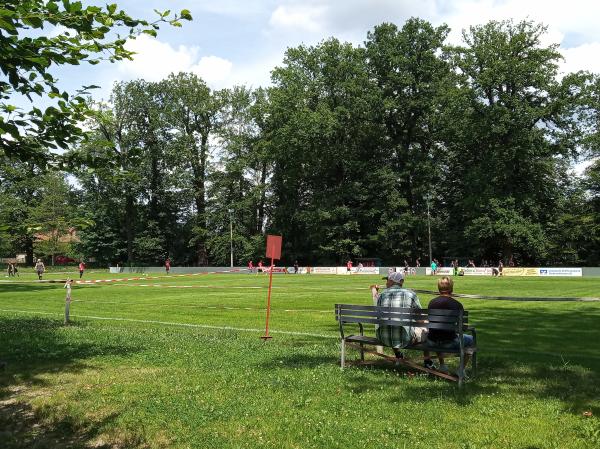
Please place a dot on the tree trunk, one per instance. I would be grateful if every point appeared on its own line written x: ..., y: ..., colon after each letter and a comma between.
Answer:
x: 263, y: 199
x: 129, y: 222
x: 199, y: 171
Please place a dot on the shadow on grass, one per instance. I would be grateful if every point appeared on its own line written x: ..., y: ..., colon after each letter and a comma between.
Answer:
x: 31, y: 348
x: 22, y: 428
x: 534, y: 350
x: 29, y: 287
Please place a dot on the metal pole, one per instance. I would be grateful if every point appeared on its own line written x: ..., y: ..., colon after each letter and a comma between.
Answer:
x: 267, y: 336
x: 429, y: 230
x: 231, y: 237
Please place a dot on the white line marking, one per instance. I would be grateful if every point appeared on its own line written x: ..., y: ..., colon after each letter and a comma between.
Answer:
x: 170, y: 323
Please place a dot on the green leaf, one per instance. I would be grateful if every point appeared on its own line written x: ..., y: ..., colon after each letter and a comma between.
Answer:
x: 185, y: 14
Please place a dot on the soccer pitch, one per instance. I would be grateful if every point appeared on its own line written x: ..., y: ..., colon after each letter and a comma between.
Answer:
x: 177, y: 362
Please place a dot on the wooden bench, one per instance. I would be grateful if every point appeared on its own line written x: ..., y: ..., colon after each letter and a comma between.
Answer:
x: 442, y: 319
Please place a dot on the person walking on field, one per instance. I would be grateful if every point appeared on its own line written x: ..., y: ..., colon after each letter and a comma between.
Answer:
x: 349, y: 267
x: 168, y: 265
x: 40, y: 268
x: 251, y: 266
x: 81, y: 269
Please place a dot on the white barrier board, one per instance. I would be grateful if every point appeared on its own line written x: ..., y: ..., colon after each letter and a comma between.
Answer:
x: 323, y: 270
x: 561, y: 272
x: 477, y: 271
x: 441, y: 271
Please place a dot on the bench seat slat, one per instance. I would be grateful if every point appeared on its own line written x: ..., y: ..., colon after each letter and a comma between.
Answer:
x: 363, y: 339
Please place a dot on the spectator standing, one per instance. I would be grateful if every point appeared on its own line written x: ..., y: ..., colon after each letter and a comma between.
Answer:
x: 349, y: 267
x: 81, y: 269
x: 260, y: 267
x: 251, y: 266
x: 40, y: 268
x: 168, y: 265
x: 296, y: 267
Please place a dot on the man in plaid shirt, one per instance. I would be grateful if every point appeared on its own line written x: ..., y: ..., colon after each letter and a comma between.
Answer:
x: 395, y: 296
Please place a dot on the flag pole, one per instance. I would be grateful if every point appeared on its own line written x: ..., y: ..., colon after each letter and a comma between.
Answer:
x: 267, y: 336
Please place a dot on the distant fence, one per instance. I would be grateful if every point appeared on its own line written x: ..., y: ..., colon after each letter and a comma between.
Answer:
x: 421, y: 271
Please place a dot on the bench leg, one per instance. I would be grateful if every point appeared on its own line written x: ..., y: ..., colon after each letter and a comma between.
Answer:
x: 461, y: 369
x: 362, y: 353
x: 343, y: 350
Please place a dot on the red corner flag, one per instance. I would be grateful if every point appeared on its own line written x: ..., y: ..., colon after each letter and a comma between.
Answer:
x: 274, y: 252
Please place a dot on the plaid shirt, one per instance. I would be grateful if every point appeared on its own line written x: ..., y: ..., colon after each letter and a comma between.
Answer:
x: 396, y: 296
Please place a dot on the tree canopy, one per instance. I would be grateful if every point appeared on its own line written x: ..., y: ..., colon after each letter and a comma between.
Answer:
x: 350, y: 153
x: 30, y: 55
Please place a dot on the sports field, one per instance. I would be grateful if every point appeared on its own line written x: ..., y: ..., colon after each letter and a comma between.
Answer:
x: 178, y: 362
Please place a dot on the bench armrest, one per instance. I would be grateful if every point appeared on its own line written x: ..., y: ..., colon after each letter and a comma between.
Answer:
x: 361, y: 329
x: 473, y: 332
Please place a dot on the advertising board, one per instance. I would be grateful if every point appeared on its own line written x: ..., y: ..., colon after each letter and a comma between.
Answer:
x: 561, y: 272
x: 411, y: 270
x: 441, y: 271
x: 520, y: 271
x: 476, y: 271
x: 323, y: 270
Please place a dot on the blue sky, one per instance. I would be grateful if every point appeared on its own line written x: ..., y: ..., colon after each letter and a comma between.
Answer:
x: 239, y: 42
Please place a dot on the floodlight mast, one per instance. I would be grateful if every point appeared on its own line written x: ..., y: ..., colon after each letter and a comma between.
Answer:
x: 429, y: 228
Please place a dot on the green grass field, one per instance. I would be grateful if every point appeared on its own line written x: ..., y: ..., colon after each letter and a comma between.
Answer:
x: 178, y: 363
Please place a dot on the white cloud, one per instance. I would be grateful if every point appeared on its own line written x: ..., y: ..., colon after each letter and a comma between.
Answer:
x: 155, y: 60
x: 298, y: 17
x: 582, y: 57
x: 214, y: 70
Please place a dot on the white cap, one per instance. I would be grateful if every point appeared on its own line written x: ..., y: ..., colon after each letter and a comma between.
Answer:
x: 396, y: 277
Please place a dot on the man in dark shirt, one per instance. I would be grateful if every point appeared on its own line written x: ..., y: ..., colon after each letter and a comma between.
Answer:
x: 445, y: 338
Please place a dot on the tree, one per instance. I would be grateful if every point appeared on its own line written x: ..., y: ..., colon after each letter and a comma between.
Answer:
x: 508, y: 126
x: 412, y: 77
x: 194, y: 115
x: 324, y: 144
x: 20, y: 193
x: 52, y: 217
x: 29, y: 58
x: 236, y: 182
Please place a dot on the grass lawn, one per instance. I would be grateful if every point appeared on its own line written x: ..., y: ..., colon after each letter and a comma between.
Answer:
x: 178, y: 363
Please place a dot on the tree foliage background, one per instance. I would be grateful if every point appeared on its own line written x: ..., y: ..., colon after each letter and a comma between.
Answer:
x: 343, y: 155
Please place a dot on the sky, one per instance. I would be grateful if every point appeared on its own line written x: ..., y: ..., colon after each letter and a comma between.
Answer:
x: 240, y: 41
x: 233, y: 42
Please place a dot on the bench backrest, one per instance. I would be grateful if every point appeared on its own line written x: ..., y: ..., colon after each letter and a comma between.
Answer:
x: 451, y: 320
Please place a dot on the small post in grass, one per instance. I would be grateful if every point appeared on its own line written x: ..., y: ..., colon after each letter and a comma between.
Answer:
x: 274, y: 252
x: 68, y: 300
